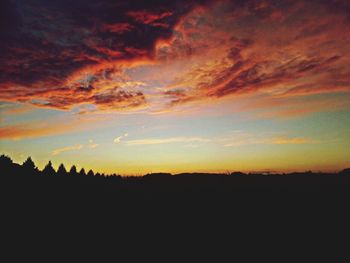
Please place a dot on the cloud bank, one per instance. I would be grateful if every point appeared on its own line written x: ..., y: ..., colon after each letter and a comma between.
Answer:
x: 63, y: 54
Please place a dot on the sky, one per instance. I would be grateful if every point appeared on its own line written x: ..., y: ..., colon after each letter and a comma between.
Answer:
x: 134, y: 87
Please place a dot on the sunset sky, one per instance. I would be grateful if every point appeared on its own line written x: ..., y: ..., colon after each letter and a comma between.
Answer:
x: 176, y: 86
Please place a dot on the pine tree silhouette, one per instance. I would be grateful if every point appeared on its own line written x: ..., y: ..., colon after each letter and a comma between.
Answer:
x: 90, y: 173
x: 5, y: 161
x: 29, y: 165
x: 82, y: 172
x: 48, y: 170
x: 6, y: 165
x: 73, y: 171
x: 62, y: 170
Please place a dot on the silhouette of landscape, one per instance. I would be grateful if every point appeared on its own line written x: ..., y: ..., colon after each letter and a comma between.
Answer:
x: 27, y: 178
x: 169, y: 207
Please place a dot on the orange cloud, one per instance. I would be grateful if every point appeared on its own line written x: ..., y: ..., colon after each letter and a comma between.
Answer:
x: 76, y: 59
x: 118, y: 28
x: 46, y: 128
x: 204, y: 53
x: 151, y: 18
x: 292, y: 59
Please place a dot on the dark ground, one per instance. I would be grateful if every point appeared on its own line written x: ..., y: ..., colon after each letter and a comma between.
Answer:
x: 247, y: 215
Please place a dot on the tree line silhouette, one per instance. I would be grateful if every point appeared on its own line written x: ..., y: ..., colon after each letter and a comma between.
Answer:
x: 159, y: 198
x: 29, y: 172
x: 30, y: 169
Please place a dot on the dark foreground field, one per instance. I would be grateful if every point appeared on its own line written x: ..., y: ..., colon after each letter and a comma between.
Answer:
x: 188, y: 209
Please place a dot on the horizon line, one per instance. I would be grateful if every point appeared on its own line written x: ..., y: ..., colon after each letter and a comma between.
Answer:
x: 227, y: 172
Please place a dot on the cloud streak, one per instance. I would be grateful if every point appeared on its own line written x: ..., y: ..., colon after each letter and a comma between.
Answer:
x: 34, y: 129
x: 92, y: 144
x: 118, y: 139
x: 257, y: 140
x: 152, y: 141
x: 67, y: 148
x: 237, y: 138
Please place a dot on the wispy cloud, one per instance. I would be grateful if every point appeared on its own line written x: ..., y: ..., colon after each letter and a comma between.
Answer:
x: 34, y: 129
x: 92, y: 145
x: 296, y: 140
x: 15, y: 109
x: 237, y: 138
x: 67, y: 148
x: 119, y: 138
x: 151, y: 141
x: 241, y: 138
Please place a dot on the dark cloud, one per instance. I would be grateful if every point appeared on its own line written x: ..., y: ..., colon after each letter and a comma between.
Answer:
x: 43, y: 43
x: 178, y: 96
x: 119, y: 99
x: 159, y: 19
x: 60, y: 54
x: 113, y: 99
